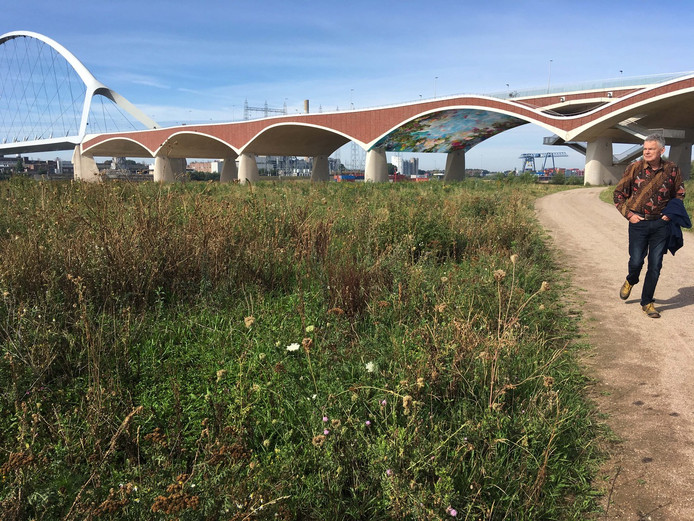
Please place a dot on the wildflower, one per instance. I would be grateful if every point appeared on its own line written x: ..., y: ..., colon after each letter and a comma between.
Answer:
x: 293, y: 347
x: 249, y: 321
x: 514, y: 258
x: 370, y: 367
x: 326, y: 432
x: 310, y: 329
x: 383, y: 402
x: 451, y: 511
x: 325, y: 419
x: 262, y: 356
x: 389, y: 472
x: 544, y: 286
x: 266, y: 443
x: 499, y: 275
x: 367, y: 422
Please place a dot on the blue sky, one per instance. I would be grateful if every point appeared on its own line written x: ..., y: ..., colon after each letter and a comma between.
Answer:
x: 200, y: 61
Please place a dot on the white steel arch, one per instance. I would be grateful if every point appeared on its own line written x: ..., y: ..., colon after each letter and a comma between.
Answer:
x: 93, y: 87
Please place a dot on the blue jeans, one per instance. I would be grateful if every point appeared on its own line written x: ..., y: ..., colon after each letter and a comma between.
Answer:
x: 647, y: 238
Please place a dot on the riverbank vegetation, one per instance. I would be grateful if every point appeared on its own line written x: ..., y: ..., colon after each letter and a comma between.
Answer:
x: 287, y: 351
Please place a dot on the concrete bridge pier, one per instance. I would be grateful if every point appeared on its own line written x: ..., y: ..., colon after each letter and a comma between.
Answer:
x: 599, y: 169
x: 230, y: 172
x: 248, y: 169
x: 682, y: 155
x: 321, y: 169
x: 169, y: 169
x: 85, y: 166
x: 455, y: 166
x: 376, y: 168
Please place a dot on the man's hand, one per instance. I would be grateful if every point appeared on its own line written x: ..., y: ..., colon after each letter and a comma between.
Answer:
x: 635, y: 218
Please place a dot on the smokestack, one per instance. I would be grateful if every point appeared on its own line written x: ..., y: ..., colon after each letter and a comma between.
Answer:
x: 305, y: 106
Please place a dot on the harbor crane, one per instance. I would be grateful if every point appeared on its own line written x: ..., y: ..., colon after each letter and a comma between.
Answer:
x: 529, y: 159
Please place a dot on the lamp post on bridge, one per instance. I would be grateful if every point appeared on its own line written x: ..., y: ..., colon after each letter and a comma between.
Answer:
x: 549, y: 76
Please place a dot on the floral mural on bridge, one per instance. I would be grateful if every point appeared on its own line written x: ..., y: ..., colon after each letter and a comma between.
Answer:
x: 447, y: 131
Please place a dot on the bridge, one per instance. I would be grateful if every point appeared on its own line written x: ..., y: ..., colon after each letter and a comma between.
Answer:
x: 590, y: 118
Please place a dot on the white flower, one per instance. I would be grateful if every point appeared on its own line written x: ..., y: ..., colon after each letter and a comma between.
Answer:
x: 370, y: 367
x: 293, y: 347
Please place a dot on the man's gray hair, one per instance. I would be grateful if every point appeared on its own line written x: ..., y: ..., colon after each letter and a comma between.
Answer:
x: 657, y: 138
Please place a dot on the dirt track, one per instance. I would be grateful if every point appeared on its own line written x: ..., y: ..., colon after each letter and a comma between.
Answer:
x: 643, y: 367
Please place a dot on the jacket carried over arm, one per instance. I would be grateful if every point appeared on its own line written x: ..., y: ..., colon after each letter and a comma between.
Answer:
x: 679, y: 218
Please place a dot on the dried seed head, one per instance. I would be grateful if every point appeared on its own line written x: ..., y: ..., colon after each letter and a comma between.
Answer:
x: 499, y: 275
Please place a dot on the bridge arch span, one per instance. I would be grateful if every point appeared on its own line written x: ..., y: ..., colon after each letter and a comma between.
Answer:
x: 668, y: 105
x: 196, y: 144
x: 119, y: 146
x: 450, y: 128
x: 297, y: 139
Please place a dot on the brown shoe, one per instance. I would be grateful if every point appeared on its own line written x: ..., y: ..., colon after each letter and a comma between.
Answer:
x: 649, y: 309
x: 625, y: 291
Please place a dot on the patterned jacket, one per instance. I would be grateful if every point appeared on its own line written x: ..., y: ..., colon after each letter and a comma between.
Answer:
x: 644, y: 191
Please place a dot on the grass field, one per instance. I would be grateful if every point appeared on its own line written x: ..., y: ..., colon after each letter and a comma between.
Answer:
x: 287, y: 351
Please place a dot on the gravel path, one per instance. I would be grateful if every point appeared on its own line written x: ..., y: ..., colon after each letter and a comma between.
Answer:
x: 643, y: 367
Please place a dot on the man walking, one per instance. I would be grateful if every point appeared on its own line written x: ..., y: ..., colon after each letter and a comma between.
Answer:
x: 641, y: 196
